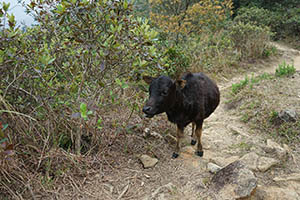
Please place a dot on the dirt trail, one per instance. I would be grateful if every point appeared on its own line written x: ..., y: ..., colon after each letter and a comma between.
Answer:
x: 225, y: 139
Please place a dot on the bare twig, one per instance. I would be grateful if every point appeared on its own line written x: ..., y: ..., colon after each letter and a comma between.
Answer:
x: 17, y: 113
x: 31, y: 192
x: 124, y: 191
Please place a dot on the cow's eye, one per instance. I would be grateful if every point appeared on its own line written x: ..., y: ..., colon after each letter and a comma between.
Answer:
x: 164, y: 93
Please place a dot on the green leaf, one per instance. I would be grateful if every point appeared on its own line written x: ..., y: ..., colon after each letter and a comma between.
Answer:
x: 12, y: 34
x: 118, y: 82
x: 4, y: 127
x: 60, y: 9
x: 83, y: 108
x: 125, y: 4
x: 89, y: 112
x: 6, y: 6
x: 99, y: 121
x: 124, y: 85
x: 51, y: 60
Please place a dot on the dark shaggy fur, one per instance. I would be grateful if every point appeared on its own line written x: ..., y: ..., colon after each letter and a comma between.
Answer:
x: 190, y: 99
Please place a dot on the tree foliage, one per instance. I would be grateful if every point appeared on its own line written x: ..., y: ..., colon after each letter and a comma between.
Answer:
x: 283, y: 17
x: 189, y: 16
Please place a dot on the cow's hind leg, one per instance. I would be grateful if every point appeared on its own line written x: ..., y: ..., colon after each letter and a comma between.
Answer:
x: 180, y: 136
x: 193, y: 141
x: 198, y: 133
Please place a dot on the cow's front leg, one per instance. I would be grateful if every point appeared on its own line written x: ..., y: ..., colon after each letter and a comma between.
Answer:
x: 180, y: 136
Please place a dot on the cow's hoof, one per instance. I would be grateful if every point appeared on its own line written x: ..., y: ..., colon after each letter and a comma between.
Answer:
x: 193, y: 142
x: 175, y: 155
x: 199, y: 153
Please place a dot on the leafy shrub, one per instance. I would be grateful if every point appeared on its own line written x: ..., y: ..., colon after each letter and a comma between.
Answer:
x: 290, y: 22
x: 250, y: 41
x: 254, y: 15
x: 178, y: 62
x: 61, y: 80
x: 285, y: 70
x: 281, y: 16
x: 211, y: 52
x: 220, y: 51
x: 79, y: 51
x: 267, y: 4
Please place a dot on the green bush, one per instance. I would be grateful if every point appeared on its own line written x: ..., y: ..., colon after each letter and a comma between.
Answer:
x: 250, y: 41
x: 222, y: 50
x: 283, y: 18
x: 211, y: 52
x: 79, y: 52
x: 254, y: 15
x: 61, y: 78
x: 178, y: 62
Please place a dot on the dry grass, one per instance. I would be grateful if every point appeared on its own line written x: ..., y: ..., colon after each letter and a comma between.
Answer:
x: 258, y: 105
x: 52, y: 172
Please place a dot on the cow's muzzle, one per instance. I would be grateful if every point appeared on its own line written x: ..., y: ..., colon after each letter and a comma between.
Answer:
x: 147, y: 111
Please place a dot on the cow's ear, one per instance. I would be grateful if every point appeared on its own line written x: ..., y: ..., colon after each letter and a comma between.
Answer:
x: 148, y: 79
x: 180, y: 83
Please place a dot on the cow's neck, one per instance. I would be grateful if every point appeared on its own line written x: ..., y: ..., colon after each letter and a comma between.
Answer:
x: 175, y: 109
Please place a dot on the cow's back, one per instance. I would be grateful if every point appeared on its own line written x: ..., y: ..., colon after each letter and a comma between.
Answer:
x: 202, y: 92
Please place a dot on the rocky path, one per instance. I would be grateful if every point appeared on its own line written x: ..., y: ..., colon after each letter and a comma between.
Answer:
x: 238, y: 162
x: 274, y: 171
x: 226, y: 140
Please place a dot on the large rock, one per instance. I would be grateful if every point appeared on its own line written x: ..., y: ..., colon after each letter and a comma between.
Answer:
x: 288, y: 115
x: 148, y: 133
x: 147, y: 161
x: 170, y: 139
x: 213, y: 168
x: 265, y: 163
x: 273, y: 147
x: 234, y: 181
x: 290, y: 177
x: 250, y: 160
x: 224, y: 161
x: 275, y: 193
x: 256, y: 163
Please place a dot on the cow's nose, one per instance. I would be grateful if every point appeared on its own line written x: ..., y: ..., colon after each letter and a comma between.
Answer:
x: 146, y: 109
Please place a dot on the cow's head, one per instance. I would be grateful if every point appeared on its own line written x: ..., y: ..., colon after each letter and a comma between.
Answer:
x: 162, y: 92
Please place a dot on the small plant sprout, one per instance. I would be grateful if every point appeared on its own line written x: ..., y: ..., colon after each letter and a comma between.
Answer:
x: 236, y: 87
x: 84, y: 112
x: 99, y: 123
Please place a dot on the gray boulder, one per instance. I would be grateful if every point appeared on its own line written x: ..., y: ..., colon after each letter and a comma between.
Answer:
x: 234, y: 181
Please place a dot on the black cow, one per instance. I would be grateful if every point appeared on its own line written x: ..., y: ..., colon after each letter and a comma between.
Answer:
x: 190, y: 99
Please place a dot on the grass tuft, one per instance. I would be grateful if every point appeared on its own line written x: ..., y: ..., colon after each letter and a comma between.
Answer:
x: 285, y: 70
